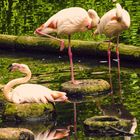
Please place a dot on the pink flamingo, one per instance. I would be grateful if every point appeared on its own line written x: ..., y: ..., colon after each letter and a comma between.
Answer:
x: 112, y: 24
x: 69, y: 21
x: 30, y: 93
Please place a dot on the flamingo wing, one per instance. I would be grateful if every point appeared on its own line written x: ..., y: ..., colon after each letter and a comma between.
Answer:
x: 32, y: 93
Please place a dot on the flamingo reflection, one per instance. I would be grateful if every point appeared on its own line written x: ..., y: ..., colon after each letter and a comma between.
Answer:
x: 53, y: 134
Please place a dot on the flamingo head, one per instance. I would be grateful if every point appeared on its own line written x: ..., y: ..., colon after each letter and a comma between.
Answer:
x: 95, y: 18
x: 20, y: 67
x: 59, y: 96
x: 40, y: 30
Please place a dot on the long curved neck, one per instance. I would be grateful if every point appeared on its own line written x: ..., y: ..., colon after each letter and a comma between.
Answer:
x: 8, y: 87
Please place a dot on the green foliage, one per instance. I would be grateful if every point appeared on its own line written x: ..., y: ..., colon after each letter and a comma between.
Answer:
x: 22, y: 17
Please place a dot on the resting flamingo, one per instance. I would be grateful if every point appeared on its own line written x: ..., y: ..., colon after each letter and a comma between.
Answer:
x: 69, y: 21
x: 112, y: 24
x: 27, y: 93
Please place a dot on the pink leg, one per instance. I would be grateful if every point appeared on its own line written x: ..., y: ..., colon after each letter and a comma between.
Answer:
x: 117, y: 52
x: 109, y: 55
x: 61, y: 41
x: 71, y: 61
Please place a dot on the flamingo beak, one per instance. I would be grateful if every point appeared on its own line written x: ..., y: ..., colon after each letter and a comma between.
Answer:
x: 10, y: 67
x: 13, y: 67
x: 38, y: 30
x: 67, y: 101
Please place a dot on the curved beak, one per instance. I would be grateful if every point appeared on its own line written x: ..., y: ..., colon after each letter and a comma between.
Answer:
x: 38, y: 30
x: 67, y: 101
x: 10, y: 67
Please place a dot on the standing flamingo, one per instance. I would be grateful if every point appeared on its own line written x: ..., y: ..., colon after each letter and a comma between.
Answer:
x: 112, y: 24
x: 27, y: 93
x: 69, y: 21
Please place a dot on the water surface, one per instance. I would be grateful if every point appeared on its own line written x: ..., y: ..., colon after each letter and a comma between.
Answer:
x: 51, y: 71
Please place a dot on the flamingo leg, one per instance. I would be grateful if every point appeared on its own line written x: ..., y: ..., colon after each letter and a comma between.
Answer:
x: 61, y: 41
x: 71, y: 61
x: 117, y: 52
x: 109, y: 55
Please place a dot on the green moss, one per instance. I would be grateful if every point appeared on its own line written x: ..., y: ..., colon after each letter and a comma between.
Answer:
x: 86, y: 87
x: 27, y: 110
x: 106, y: 121
x: 14, y: 133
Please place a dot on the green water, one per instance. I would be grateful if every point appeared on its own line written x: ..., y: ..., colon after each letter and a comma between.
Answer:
x: 51, y: 71
x: 22, y: 17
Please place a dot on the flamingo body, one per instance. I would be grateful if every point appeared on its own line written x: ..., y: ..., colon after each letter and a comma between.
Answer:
x: 29, y: 93
x: 113, y: 22
x: 69, y: 21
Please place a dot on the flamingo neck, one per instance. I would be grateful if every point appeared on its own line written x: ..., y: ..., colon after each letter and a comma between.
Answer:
x: 9, y: 86
x: 118, y: 11
x: 94, y: 21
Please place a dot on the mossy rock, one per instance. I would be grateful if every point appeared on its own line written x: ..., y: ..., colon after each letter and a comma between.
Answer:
x: 107, y: 126
x: 87, y: 87
x: 16, y: 134
x: 27, y: 112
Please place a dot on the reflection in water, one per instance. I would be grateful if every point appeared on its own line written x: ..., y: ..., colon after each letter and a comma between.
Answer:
x: 75, y: 120
x: 118, y: 109
x: 53, y: 134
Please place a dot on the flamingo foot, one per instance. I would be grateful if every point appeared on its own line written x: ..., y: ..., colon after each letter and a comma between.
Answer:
x: 76, y: 82
x: 62, y: 45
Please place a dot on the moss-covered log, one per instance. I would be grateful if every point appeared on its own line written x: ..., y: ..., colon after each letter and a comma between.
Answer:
x: 16, y: 134
x: 83, y: 48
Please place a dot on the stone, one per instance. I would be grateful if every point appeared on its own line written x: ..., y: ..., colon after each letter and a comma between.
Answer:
x: 27, y: 112
x: 16, y: 134
x: 89, y: 87
x: 107, y: 126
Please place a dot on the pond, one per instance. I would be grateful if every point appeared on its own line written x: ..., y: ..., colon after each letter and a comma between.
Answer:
x: 51, y: 71
x: 22, y: 17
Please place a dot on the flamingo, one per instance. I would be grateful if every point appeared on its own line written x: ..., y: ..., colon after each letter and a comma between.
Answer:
x: 28, y: 93
x: 53, y: 134
x: 112, y: 24
x: 69, y: 21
